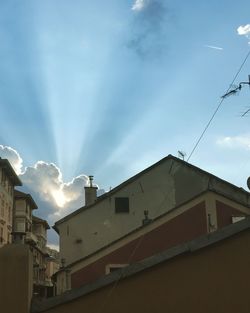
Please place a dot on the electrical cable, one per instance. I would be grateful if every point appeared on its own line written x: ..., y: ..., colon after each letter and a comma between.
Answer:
x: 218, y: 107
x: 123, y: 271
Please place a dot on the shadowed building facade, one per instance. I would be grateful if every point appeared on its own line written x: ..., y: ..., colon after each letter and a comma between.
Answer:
x: 207, y: 274
x: 8, y: 180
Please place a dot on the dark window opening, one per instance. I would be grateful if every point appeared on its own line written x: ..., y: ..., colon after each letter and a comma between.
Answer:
x: 122, y: 205
x: 113, y: 269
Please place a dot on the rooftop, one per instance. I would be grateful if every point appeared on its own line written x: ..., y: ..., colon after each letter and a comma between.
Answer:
x: 5, y: 164
x: 188, y: 247
x: 21, y: 195
x: 125, y: 183
x: 38, y: 220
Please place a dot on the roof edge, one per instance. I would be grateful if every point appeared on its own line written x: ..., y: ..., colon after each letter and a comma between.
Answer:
x: 117, y: 188
x: 4, y: 163
x: 188, y: 247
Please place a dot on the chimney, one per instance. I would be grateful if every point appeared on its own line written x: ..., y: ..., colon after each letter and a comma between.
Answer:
x: 90, y: 192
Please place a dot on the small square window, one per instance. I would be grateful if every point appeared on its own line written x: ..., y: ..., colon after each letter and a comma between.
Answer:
x: 122, y: 205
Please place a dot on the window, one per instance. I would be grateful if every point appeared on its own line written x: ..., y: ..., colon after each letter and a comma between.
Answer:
x: 114, y: 267
x: 9, y: 237
x: 236, y: 219
x: 122, y: 205
x: 1, y: 235
x: 9, y: 214
x: 3, y: 178
x: 2, y: 208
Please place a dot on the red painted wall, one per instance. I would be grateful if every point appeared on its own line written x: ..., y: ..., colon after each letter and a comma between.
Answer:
x: 225, y: 213
x: 182, y: 228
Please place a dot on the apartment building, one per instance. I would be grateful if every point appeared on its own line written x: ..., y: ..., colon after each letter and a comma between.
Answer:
x: 8, y: 180
x: 52, y: 266
x: 32, y: 230
x: 24, y: 205
x: 40, y: 255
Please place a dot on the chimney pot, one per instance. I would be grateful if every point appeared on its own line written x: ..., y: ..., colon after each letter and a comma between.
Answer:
x: 90, y: 192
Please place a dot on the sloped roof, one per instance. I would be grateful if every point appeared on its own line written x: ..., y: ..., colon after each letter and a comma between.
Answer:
x: 5, y: 164
x: 38, y: 220
x: 130, y: 180
x: 21, y: 195
x: 114, y: 277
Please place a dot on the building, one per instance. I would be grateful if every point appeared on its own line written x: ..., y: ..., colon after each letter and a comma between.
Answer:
x: 40, y: 256
x: 8, y: 180
x: 167, y: 204
x: 158, y: 189
x: 52, y: 266
x: 31, y: 230
x: 207, y: 274
x: 24, y: 205
x: 184, y: 223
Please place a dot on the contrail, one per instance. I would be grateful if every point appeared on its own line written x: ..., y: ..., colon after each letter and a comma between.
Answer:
x: 213, y: 47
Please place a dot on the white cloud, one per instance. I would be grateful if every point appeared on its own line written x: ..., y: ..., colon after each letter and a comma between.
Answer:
x: 244, y: 31
x: 213, y: 47
x: 139, y: 5
x: 235, y: 142
x: 45, y: 182
x: 45, y: 179
x: 53, y: 246
x: 13, y: 157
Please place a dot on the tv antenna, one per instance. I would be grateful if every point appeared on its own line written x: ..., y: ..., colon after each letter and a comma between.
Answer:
x: 181, y: 155
x: 236, y: 88
x: 248, y: 182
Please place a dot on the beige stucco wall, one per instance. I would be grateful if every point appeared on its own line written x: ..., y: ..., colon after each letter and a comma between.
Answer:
x: 15, y: 278
x: 95, y: 227
x: 158, y: 190
x: 6, y: 209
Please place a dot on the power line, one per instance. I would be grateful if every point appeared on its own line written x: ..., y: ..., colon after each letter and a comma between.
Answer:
x: 141, y: 239
x: 130, y: 258
x: 218, y: 107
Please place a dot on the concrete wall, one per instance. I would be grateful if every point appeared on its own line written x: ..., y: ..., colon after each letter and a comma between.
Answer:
x: 211, y: 279
x: 15, y: 278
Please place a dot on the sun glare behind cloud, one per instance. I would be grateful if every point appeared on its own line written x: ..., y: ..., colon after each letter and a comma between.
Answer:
x: 59, y: 198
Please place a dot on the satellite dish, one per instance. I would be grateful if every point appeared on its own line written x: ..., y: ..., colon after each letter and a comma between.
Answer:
x: 248, y: 182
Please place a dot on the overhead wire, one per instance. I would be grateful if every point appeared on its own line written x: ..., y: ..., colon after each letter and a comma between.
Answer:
x: 138, y: 244
x: 217, y: 108
x: 124, y: 270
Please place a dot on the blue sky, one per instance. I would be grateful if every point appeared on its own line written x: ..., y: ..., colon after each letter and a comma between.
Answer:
x: 109, y: 87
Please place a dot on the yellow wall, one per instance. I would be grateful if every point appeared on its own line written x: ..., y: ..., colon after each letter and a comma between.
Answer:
x: 15, y: 278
